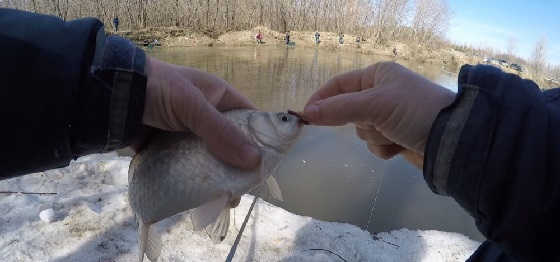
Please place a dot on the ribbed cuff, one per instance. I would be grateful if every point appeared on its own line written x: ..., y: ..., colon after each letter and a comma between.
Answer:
x: 462, y: 136
x: 116, y: 91
x: 122, y: 65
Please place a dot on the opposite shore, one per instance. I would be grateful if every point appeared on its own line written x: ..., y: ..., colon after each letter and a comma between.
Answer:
x: 445, y: 55
x: 184, y: 37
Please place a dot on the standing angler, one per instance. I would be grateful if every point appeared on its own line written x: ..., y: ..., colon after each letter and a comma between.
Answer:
x: 116, y: 23
x: 175, y: 173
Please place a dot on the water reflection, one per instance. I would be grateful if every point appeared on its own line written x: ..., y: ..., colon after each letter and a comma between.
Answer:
x: 330, y: 174
x: 281, y: 78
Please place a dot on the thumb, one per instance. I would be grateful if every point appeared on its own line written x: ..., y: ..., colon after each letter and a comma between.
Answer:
x: 340, y: 109
x: 223, y: 138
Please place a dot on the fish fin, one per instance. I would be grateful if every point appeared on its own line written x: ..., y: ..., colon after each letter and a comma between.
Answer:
x: 142, y: 239
x: 267, y: 167
x: 149, y: 241
x: 218, y: 230
x: 274, y: 188
x: 234, y: 202
x: 208, y: 212
x: 153, y: 244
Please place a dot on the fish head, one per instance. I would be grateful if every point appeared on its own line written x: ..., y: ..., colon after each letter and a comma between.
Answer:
x: 277, y: 130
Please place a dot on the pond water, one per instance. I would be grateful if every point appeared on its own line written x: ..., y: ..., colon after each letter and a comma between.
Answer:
x: 330, y: 174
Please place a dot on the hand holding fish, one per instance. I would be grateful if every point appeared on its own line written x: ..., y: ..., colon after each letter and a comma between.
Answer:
x: 181, y: 98
x: 393, y: 108
x: 174, y: 172
x: 206, y: 173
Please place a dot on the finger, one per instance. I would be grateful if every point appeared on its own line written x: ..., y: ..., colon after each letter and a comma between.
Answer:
x: 414, y: 158
x: 339, y: 109
x: 340, y: 84
x: 232, y: 99
x: 385, y: 152
x: 217, y: 91
x: 223, y: 139
x: 373, y: 136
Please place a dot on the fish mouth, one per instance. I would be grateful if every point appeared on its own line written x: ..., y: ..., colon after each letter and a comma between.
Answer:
x: 299, y: 116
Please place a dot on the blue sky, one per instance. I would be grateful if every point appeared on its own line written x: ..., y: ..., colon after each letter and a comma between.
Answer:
x: 491, y: 23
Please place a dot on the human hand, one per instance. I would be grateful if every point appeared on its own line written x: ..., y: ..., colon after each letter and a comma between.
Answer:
x: 392, y: 107
x: 182, y: 98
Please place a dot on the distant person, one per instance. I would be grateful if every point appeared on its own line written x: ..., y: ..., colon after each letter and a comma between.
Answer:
x: 259, y: 38
x: 317, y: 36
x: 116, y: 23
x: 153, y: 43
x: 394, y: 51
x: 288, y: 38
x: 341, y: 38
x: 358, y: 39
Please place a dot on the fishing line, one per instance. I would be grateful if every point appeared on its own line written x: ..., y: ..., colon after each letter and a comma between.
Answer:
x: 238, y: 238
x: 374, y: 201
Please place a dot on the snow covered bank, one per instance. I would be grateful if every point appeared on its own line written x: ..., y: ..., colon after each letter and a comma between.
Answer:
x: 93, y: 222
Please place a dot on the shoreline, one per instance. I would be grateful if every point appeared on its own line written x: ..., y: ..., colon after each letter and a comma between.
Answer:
x: 184, y: 37
x: 446, y: 56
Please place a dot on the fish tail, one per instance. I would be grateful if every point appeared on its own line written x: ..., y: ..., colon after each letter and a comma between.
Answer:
x: 150, y: 242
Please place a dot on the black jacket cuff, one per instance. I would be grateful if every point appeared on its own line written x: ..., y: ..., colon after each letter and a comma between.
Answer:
x: 462, y: 136
x: 492, y: 150
x: 111, y: 104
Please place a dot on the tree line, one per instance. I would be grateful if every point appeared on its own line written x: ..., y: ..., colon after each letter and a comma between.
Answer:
x: 420, y: 21
x: 537, y: 66
x: 417, y: 22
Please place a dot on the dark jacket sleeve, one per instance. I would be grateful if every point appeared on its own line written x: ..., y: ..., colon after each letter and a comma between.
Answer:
x: 496, y: 151
x: 67, y: 90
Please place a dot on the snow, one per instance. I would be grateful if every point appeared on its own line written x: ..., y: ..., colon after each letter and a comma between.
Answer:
x: 47, y: 215
x: 89, y: 219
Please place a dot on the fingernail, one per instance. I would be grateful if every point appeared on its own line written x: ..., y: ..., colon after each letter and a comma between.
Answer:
x: 311, y: 112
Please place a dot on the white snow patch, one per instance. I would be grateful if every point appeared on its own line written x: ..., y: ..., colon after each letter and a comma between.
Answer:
x: 47, y: 215
x: 90, y: 220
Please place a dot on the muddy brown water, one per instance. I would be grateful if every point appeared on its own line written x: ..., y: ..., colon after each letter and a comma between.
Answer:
x: 329, y: 174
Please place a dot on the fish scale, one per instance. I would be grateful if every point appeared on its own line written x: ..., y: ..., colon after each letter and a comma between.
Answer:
x: 175, y: 173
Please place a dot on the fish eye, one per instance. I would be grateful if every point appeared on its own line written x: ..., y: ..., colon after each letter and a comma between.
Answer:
x: 284, y: 117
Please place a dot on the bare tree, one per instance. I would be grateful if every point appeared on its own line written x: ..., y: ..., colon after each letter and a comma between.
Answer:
x: 431, y: 19
x: 555, y: 73
x: 382, y: 20
x: 511, y: 47
x: 538, y: 58
x: 61, y: 8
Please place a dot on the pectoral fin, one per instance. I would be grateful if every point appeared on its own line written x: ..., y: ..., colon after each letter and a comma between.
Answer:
x: 207, y: 213
x: 218, y: 230
x: 274, y: 188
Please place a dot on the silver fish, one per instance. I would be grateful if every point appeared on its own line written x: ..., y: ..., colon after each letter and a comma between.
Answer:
x: 175, y: 172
